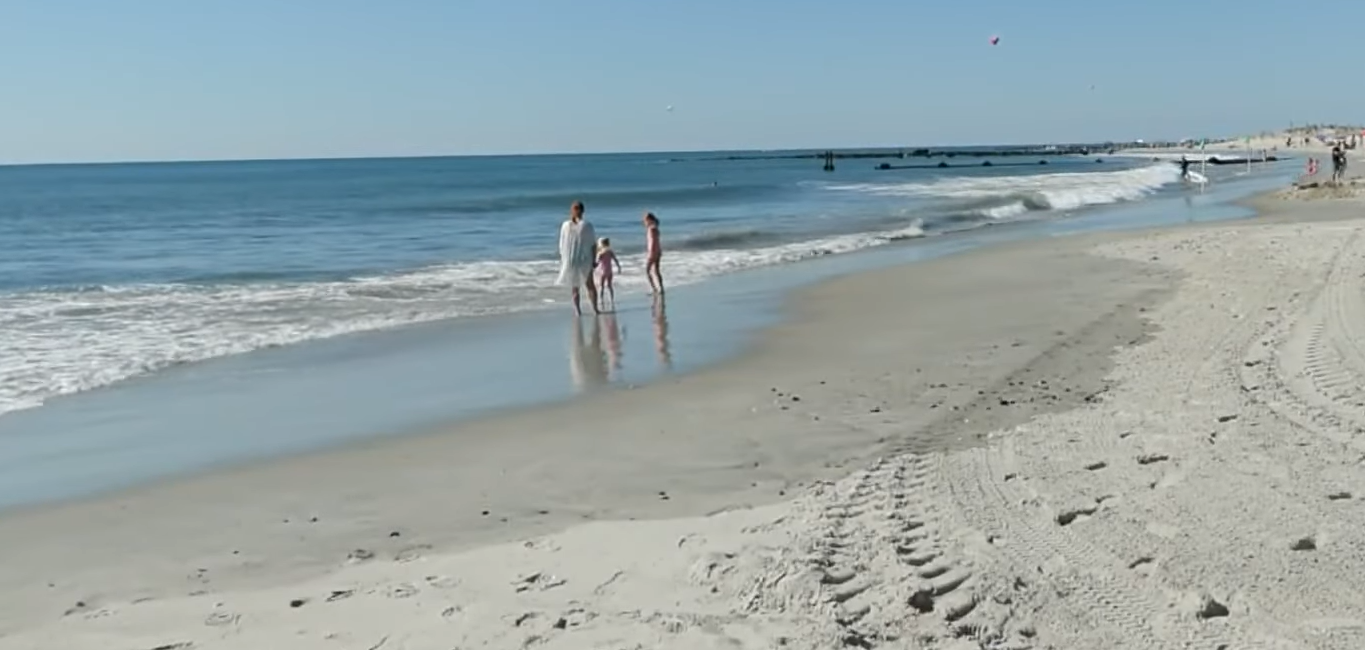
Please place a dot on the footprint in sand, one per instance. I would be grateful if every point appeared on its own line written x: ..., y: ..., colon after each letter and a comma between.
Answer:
x: 442, y: 582
x: 403, y: 590
x: 411, y: 553
x: 221, y: 619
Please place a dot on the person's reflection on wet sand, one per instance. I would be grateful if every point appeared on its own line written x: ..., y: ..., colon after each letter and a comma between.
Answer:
x: 613, y: 337
x: 661, y: 333
x: 587, y: 363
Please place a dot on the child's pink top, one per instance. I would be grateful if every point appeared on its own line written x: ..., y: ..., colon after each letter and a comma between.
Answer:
x: 604, y: 261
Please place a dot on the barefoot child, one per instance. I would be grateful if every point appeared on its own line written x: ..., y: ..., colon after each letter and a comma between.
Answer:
x: 605, y: 259
x: 653, y: 253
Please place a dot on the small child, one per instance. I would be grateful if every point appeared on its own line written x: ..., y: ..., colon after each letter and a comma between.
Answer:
x: 606, y: 258
x: 653, y: 253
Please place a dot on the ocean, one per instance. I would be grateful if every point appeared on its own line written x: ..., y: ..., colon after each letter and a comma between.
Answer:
x: 112, y: 272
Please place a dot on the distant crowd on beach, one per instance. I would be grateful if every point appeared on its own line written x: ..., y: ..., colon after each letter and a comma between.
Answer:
x: 1339, y: 163
x: 587, y: 262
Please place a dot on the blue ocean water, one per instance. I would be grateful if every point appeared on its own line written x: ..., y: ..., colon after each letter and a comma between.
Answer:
x: 109, y: 272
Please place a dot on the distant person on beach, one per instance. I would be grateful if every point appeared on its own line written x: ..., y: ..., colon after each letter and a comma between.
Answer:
x: 654, y: 252
x: 1184, y: 168
x: 605, y: 259
x: 1338, y: 164
x: 578, y: 256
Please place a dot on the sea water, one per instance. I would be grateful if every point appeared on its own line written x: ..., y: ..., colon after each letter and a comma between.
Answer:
x: 113, y: 272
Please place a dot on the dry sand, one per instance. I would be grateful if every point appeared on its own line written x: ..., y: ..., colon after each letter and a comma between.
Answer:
x: 1200, y: 490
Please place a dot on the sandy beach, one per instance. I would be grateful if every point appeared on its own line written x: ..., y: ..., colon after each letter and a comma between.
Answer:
x: 1140, y: 440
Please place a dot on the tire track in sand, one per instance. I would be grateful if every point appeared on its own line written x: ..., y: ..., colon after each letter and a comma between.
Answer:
x: 1037, y: 547
x: 878, y: 562
x: 1315, y: 376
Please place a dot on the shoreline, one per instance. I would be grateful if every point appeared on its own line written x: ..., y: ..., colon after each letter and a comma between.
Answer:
x: 642, y: 453
x: 169, y: 540
x: 303, y: 399
x: 1189, y: 492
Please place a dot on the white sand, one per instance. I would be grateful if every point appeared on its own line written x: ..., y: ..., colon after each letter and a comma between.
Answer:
x: 1206, y: 496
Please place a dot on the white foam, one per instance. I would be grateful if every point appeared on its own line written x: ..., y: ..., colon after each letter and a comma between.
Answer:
x: 59, y: 343
x: 1063, y: 191
x: 1007, y: 211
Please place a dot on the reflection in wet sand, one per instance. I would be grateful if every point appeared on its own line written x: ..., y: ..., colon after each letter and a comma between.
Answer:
x: 587, y: 362
x: 613, y: 339
x: 660, y: 314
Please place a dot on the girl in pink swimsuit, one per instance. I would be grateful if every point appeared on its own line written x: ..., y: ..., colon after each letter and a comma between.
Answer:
x: 606, y: 259
x: 654, y: 252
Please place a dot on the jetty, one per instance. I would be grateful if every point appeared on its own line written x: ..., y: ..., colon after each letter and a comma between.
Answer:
x: 947, y: 157
x: 829, y: 155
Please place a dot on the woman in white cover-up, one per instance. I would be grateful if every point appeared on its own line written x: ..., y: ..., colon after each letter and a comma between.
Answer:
x: 578, y: 256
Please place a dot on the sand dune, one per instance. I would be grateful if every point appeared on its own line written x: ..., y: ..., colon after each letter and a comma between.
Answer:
x: 1205, y: 495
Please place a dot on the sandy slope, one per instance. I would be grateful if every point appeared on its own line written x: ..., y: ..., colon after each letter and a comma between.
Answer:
x: 1207, y: 496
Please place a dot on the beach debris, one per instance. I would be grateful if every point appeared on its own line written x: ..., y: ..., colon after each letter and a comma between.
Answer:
x: 395, y: 534
x: 1211, y: 609
x: 1148, y: 459
x: 1146, y: 559
x: 1226, y: 418
x: 183, y: 645
x: 360, y: 555
x: 1339, y: 496
x: 538, y: 580
x: 1304, y: 544
x: 340, y: 594
x: 380, y: 644
x: 298, y: 602
x: 1066, y: 517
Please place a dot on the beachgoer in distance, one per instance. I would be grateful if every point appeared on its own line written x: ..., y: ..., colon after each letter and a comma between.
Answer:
x: 605, y: 259
x: 578, y: 256
x: 654, y: 252
x: 1184, y: 168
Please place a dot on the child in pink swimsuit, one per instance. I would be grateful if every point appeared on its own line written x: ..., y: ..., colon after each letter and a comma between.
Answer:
x: 654, y: 252
x: 606, y: 258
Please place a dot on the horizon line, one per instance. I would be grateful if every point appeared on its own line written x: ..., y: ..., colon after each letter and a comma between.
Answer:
x: 306, y: 158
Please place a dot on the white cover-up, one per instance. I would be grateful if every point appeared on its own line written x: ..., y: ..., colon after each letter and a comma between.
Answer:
x: 577, y: 252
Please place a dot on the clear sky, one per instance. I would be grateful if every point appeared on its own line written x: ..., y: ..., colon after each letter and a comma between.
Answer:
x: 88, y: 80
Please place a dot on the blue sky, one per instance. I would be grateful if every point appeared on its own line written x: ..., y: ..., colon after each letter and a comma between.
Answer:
x: 94, y: 80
